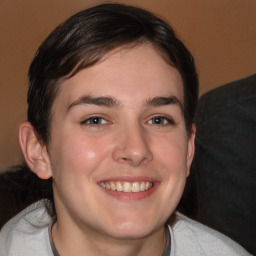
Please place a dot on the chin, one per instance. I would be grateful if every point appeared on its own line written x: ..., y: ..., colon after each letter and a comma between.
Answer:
x: 130, y: 233
x: 133, y: 229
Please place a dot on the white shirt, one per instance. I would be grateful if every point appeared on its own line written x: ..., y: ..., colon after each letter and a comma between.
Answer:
x: 27, y: 235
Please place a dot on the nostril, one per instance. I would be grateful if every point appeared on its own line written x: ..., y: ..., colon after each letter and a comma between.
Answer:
x: 132, y: 153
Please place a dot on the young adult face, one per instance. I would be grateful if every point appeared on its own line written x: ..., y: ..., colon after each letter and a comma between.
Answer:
x: 119, y: 126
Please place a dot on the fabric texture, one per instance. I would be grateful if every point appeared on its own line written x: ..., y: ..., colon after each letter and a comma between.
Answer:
x: 222, y: 186
x: 27, y: 235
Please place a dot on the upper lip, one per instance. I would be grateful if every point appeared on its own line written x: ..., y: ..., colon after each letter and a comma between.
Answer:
x: 130, y: 179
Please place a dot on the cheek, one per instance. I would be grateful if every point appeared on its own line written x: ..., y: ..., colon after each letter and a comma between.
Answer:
x: 172, y: 159
x: 79, y: 154
x: 172, y: 151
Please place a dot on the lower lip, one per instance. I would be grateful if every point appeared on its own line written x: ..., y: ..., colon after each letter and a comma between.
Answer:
x: 132, y: 196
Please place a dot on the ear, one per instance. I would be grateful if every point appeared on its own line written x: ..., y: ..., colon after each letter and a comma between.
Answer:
x: 191, y: 147
x: 34, y: 151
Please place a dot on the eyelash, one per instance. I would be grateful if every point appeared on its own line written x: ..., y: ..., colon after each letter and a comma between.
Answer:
x: 89, y: 121
x: 167, y: 120
x: 158, y: 120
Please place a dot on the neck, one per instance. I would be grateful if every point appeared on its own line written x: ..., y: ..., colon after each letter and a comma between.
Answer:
x: 90, y: 243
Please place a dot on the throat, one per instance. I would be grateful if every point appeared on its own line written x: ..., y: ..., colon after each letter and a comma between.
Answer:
x: 149, y: 246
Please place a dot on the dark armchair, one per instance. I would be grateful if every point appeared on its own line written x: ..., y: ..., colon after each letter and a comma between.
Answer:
x: 221, y: 191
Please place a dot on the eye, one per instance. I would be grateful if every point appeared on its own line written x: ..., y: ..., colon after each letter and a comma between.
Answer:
x: 161, y: 120
x: 95, y: 120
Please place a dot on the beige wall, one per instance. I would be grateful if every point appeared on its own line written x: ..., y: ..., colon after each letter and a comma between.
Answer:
x: 220, y: 33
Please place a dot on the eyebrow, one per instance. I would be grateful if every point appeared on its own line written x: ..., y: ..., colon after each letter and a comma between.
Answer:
x: 163, y: 101
x: 104, y: 101
x: 108, y: 101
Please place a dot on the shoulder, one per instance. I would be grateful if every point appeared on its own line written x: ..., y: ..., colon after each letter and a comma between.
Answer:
x: 27, y: 233
x: 192, y: 238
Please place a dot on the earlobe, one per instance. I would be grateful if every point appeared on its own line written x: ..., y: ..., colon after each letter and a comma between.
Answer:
x: 191, y: 147
x: 35, y: 153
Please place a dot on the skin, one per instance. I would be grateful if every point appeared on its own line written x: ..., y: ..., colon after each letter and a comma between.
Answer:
x: 119, y: 120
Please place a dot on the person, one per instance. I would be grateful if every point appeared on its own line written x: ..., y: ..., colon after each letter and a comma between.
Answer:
x: 111, y: 102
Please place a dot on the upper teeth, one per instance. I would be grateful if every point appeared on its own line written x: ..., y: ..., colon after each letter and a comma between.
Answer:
x: 127, y: 186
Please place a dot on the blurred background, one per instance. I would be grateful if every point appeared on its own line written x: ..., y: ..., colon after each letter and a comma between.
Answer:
x: 221, y: 34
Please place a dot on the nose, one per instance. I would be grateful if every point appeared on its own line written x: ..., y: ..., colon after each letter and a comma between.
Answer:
x: 132, y: 147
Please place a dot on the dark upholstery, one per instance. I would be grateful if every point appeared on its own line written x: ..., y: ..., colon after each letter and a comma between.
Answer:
x: 221, y: 191
x: 19, y: 188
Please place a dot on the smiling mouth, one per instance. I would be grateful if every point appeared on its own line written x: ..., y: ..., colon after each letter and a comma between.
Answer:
x: 127, y: 187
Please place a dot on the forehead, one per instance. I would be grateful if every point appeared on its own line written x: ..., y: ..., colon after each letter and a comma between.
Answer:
x: 138, y: 71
